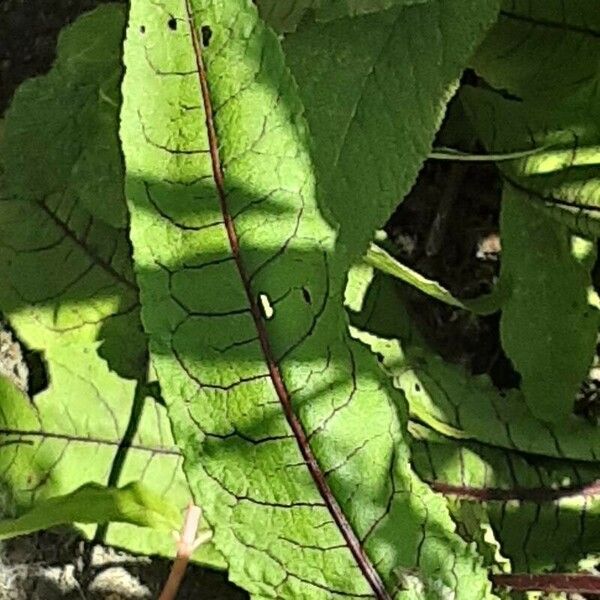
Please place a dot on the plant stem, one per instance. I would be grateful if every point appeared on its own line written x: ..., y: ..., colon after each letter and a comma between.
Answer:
x: 378, y: 258
x: 569, y: 583
x: 185, y: 547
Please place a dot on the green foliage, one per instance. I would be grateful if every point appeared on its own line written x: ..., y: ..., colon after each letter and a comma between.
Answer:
x: 69, y: 293
x: 97, y: 504
x: 479, y: 445
x: 531, y: 327
x: 184, y: 214
x: 365, y: 83
x: 225, y: 217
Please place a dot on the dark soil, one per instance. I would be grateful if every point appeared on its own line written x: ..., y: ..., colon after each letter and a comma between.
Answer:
x: 28, y: 32
x: 447, y: 228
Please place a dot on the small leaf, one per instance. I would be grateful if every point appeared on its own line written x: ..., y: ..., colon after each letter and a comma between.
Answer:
x: 377, y: 257
x: 548, y: 327
x: 93, y: 503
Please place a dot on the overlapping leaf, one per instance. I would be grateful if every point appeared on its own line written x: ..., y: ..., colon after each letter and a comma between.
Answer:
x: 294, y: 445
x: 548, y: 325
x: 287, y: 14
x: 539, y: 64
x: 544, y: 55
x: 94, y: 503
x: 545, y: 514
x: 375, y: 90
x: 486, y: 450
x: 68, y: 292
x: 454, y: 403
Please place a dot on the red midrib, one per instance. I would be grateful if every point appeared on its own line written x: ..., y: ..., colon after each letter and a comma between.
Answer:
x: 368, y: 570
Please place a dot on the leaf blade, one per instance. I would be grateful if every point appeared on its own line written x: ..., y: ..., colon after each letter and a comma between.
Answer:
x: 245, y: 459
x: 93, y: 503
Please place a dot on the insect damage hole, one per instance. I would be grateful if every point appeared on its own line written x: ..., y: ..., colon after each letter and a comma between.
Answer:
x: 265, y: 306
x: 205, y: 34
x: 172, y: 23
x: 306, y: 295
x: 142, y: 29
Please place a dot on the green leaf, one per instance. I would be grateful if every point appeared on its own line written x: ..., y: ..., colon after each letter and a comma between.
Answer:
x: 60, y: 443
x: 454, y: 403
x: 544, y: 93
x: 377, y: 257
x: 545, y: 514
x: 70, y: 296
x: 93, y: 503
x: 286, y: 15
x: 541, y: 47
x: 294, y: 445
x: 375, y: 90
x: 548, y: 326
x: 76, y: 119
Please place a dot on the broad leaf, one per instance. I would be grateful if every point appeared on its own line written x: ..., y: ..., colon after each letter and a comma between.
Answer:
x: 545, y: 514
x: 548, y: 326
x: 93, y: 503
x: 69, y: 294
x: 454, y: 403
x: 52, y: 447
x: 375, y: 90
x: 285, y: 15
x: 294, y: 446
x: 541, y: 47
x: 550, y: 104
x: 72, y: 111
x: 550, y: 80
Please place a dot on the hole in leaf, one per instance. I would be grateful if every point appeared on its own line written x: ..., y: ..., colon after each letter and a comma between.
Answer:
x: 206, y: 33
x: 37, y: 380
x: 306, y: 295
x: 417, y: 387
x: 142, y: 29
x: 265, y: 306
x: 172, y: 23
x: 379, y: 357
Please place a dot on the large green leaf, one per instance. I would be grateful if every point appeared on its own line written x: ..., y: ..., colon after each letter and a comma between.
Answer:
x: 69, y: 294
x: 548, y: 326
x: 294, y: 445
x: 375, y: 90
x: 544, y: 55
x: 285, y: 15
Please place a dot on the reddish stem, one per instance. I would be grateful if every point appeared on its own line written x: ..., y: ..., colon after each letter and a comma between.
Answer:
x: 570, y: 583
